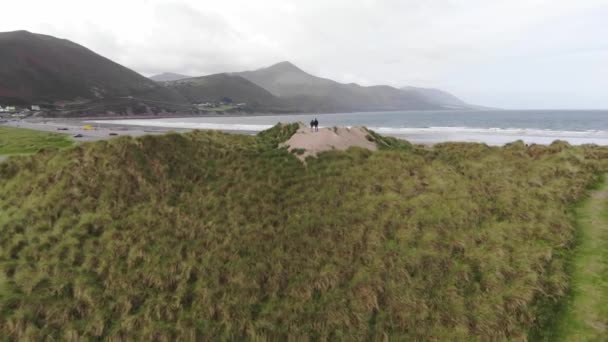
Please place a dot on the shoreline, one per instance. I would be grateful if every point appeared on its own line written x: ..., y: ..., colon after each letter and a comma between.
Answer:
x: 73, y: 127
x: 110, y: 127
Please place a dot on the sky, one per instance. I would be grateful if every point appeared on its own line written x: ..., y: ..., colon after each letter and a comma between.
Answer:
x: 515, y: 54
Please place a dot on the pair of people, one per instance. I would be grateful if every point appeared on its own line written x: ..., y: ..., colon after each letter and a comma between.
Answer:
x: 314, y: 125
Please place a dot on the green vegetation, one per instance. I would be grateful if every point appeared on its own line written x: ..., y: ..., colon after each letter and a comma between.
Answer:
x: 94, y: 80
x: 24, y: 141
x: 224, y: 108
x: 388, y: 143
x: 585, y: 315
x: 219, y: 236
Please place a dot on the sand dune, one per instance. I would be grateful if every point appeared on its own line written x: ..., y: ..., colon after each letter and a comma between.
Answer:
x: 328, y: 138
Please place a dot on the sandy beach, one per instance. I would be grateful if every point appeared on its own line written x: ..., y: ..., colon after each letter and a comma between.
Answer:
x: 76, y: 127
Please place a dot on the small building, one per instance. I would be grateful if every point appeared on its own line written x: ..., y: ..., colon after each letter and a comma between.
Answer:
x: 1, y: 109
x: 10, y: 109
x: 35, y: 107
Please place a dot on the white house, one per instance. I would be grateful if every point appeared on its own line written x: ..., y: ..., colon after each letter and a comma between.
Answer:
x: 35, y: 107
x: 1, y: 109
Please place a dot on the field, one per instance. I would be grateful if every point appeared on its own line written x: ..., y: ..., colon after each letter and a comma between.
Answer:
x: 25, y: 141
x: 207, y: 235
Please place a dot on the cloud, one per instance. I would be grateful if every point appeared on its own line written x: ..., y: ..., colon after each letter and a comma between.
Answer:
x: 495, y: 53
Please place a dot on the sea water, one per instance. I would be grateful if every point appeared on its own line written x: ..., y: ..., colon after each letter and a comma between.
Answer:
x: 493, y: 127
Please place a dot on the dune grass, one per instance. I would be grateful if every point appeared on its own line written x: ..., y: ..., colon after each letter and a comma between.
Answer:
x: 207, y: 235
x: 25, y: 141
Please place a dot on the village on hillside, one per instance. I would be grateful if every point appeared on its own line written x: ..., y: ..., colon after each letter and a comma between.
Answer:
x: 19, y: 111
x: 22, y: 111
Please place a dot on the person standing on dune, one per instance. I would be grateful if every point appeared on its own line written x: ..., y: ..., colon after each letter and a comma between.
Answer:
x: 316, y: 124
x: 312, y: 125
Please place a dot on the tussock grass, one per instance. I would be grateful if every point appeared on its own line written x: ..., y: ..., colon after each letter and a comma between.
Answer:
x: 25, y: 141
x: 219, y: 236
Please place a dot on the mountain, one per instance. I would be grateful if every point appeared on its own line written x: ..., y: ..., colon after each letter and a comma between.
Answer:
x: 285, y: 79
x: 219, y: 87
x: 438, y: 96
x: 310, y: 93
x: 41, y: 69
x: 168, y: 76
x: 72, y: 80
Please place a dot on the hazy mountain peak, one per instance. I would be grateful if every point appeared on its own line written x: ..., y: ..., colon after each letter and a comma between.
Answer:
x: 313, y: 94
x: 285, y: 66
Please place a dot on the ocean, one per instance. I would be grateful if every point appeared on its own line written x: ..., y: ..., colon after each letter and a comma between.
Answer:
x: 493, y: 127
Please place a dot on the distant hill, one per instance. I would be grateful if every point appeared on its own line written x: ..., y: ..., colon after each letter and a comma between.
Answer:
x: 284, y: 87
x: 440, y: 97
x: 41, y: 69
x: 310, y: 93
x: 218, y: 87
x: 168, y: 76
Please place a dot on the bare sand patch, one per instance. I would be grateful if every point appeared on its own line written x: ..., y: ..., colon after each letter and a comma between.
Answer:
x: 327, y: 139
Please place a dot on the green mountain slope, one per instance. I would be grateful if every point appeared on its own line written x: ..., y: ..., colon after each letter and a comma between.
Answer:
x: 41, y: 69
x: 214, y: 236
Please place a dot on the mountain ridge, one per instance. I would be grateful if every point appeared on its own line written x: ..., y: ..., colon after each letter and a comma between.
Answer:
x: 168, y: 77
x: 303, y: 90
x: 439, y: 96
x: 75, y: 81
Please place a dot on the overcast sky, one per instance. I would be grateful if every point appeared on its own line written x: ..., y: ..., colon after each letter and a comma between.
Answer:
x: 502, y: 53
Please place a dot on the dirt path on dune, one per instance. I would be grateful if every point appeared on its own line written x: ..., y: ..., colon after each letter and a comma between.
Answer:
x: 586, y: 315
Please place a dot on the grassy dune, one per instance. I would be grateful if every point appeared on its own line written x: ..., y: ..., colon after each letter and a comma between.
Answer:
x: 24, y: 141
x: 211, y: 235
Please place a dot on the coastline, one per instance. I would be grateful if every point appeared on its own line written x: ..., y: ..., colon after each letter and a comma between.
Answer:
x: 423, y: 128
